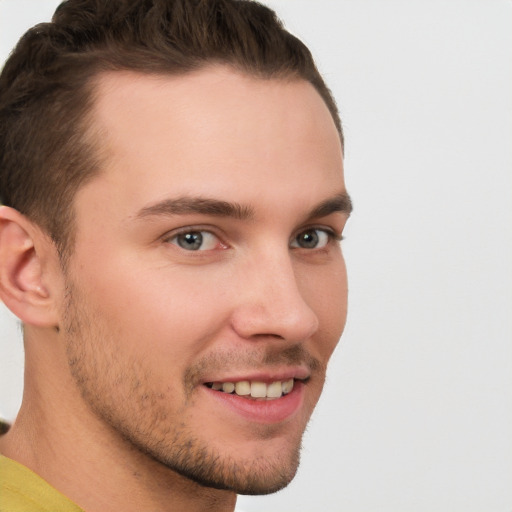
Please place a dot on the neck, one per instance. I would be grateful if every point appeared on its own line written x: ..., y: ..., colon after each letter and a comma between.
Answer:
x: 91, y: 463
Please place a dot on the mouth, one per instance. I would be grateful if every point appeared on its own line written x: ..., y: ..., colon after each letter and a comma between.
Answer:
x: 267, y: 397
x: 254, y: 389
x: 260, y: 401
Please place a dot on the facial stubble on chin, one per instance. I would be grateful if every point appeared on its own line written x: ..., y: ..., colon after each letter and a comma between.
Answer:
x: 140, y: 416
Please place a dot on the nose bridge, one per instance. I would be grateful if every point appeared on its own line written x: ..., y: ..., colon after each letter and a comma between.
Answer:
x: 272, y: 303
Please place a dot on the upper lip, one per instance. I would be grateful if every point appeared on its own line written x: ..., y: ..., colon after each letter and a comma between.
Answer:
x: 297, y: 372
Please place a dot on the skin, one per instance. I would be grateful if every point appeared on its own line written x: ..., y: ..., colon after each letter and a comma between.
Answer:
x: 120, y: 344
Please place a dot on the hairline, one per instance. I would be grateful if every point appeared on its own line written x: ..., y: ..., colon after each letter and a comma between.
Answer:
x: 95, y: 136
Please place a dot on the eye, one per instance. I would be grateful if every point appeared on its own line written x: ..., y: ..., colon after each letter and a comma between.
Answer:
x: 196, y: 241
x: 312, y: 239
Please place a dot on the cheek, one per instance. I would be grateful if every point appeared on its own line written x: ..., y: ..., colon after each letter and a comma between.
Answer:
x: 325, y: 291
x: 165, y: 312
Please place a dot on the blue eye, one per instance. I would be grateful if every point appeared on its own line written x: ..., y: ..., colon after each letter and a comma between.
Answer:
x: 195, y: 240
x: 311, y: 239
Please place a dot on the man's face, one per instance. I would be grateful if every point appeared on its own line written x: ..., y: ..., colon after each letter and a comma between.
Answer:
x: 206, y: 257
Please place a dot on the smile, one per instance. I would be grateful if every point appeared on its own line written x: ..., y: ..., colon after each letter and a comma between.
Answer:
x: 254, y: 389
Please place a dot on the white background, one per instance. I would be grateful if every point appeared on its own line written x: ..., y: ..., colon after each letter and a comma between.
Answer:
x: 417, y: 412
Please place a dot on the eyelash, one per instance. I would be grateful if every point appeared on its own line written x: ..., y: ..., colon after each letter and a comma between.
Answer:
x: 173, y: 239
x: 331, y: 235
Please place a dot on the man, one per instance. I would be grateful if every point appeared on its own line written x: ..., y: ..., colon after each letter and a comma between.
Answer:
x: 172, y: 175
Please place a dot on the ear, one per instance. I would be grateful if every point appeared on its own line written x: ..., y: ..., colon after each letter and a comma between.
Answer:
x: 24, y: 254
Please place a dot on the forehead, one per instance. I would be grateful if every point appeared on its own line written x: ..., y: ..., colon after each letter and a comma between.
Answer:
x: 213, y: 131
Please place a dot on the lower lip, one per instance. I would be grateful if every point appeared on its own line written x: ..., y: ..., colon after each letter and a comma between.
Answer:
x: 263, y: 411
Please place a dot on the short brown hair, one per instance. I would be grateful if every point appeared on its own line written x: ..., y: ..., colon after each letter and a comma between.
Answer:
x: 47, y: 150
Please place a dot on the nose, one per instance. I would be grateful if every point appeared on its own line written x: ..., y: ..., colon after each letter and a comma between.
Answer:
x: 271, y: 304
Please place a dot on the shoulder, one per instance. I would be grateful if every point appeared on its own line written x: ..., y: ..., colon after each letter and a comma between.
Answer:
x: 24, y: 491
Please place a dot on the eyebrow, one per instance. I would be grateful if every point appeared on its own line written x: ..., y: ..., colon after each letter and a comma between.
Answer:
x: 217, y: 208
x: 199, y: 205
x: 339, y: 203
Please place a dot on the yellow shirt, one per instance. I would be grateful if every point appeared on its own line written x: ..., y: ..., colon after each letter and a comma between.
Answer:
x: 21, y: 490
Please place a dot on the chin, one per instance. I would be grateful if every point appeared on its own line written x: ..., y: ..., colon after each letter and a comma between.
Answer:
x: 248, y: 477
x: 218, y: 469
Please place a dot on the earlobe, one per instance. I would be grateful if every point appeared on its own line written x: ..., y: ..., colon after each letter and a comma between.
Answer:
x: 22, y: 284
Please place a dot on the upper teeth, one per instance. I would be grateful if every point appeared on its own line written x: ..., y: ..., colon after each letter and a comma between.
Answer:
x: 255, y: 389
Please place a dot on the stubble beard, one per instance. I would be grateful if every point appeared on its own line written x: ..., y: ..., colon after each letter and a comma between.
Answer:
x: 119, y: 394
